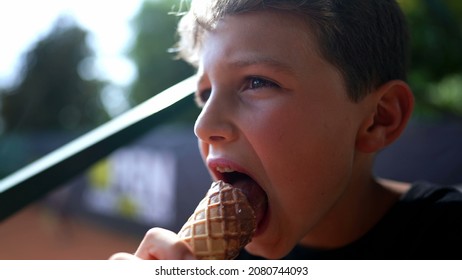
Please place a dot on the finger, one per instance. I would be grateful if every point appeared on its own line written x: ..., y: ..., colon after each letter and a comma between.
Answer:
x: 123, y: 256
x: 163, y: 244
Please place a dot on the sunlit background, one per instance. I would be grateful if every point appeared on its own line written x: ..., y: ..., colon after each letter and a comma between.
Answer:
x: 25, y: 22
x: 68, y: 66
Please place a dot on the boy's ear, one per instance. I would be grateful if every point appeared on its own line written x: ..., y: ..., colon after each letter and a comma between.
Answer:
x: 392, y: 105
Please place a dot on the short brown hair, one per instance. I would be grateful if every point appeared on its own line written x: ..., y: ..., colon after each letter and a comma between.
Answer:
x: 367, y: 40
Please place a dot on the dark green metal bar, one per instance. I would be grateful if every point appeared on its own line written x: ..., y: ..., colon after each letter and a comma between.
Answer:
x: 40, y: 177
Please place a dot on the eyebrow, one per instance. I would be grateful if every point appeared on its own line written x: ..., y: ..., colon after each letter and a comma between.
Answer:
x: 252, y: 60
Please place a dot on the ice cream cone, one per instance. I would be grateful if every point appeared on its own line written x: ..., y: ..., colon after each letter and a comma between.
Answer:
x: 222, y: 224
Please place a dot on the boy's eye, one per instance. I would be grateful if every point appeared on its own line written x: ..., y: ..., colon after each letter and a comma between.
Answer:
x: 253, y: 83
x: 257, y: 82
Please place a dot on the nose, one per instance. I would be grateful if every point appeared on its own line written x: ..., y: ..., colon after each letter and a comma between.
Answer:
x: 214, y: 124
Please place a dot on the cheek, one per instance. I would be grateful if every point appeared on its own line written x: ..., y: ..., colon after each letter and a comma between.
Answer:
x: 307, y: 162
x: 287, y: 141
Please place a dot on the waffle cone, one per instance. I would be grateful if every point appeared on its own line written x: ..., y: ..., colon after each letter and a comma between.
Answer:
x: 222, y: 224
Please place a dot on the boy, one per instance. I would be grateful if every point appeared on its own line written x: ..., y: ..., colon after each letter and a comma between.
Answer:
x: 298, y: 97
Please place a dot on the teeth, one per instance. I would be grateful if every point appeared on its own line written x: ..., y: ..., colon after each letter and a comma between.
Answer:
x: 224, y: 169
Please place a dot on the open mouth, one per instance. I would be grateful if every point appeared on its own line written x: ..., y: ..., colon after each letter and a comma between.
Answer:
x: 253, y: 191
x: 232, y: 177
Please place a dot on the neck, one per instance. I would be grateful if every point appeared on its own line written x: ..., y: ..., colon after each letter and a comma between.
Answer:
x: 361, y: 207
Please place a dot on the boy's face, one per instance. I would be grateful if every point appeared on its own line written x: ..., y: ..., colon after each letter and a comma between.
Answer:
x: 276, y: 111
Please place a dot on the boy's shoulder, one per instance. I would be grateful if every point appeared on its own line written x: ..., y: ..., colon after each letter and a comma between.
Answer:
x: 436, y: 208
x: 428, y: 191
x: 424, y: 224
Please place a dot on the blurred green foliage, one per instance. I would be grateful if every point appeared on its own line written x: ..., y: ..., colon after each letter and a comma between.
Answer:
x: 51, y: 95
x: 436, y: 61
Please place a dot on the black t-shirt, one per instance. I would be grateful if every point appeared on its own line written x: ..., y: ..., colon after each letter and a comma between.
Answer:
x: 426, y: 223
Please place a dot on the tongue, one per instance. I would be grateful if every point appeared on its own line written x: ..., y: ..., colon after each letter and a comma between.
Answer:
x: 255, y: 194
